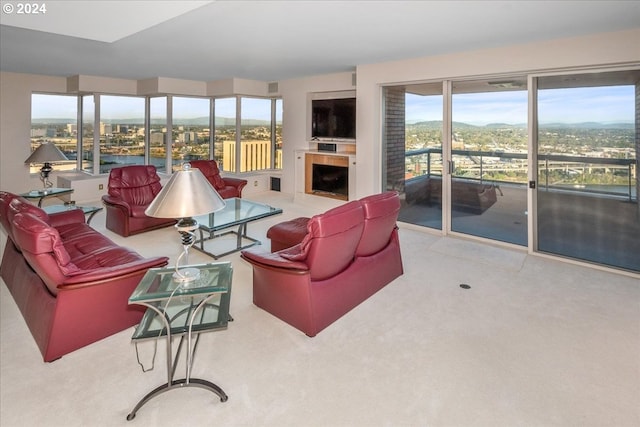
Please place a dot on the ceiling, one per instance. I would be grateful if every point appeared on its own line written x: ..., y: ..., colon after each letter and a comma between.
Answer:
x: 277, y: 40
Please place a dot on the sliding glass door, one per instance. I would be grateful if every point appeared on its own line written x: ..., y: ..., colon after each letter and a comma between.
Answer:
x: 552, y: 167
x: 488, y: 189
x: 587, y: 189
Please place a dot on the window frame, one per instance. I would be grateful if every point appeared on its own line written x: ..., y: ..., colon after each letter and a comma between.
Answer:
x: 86, y: 143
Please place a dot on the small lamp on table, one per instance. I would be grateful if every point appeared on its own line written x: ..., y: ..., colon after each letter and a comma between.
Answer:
x: 187, y: 194
x: 46, y: 154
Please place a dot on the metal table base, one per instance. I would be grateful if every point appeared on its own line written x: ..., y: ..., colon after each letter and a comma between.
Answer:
x: 241, y: 234
x: 175, y: 384
x: 172, y: 384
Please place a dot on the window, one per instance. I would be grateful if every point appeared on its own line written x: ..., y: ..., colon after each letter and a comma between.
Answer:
x: 225, y: 133
x: 86, y: 132
x: 252, y: 142
x: 54, y: 118
x: 255, y: 134
x: 158, y: 132
x: 121, y: 131
x: 115, y: 130
x: 277, y: 134
x: 191, y: 130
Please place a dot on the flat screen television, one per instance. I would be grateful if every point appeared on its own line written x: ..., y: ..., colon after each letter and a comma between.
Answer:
x: 333, y: 118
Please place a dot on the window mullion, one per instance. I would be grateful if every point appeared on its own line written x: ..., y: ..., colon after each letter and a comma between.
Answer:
x: 238, y: 150
x: 96, y: 134
x: 169, y: 136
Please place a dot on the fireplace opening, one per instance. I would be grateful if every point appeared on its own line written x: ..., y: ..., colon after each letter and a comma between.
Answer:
x: 330, y: 179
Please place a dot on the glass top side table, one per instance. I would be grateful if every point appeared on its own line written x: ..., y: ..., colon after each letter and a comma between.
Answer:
x: 89, y: 211
x: 182, y: 309
x: 40, y: 195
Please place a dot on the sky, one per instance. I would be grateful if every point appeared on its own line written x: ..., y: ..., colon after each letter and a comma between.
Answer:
x: 597, y: 104
x: 119, y: 107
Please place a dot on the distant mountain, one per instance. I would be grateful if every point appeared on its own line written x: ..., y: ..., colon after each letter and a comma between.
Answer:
x: 429, y: 124
x: 437, y: 124
x: 506, y: 126
x: 53, y: 121
x: 588, y: 125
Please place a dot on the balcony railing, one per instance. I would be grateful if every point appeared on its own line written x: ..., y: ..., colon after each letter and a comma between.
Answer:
x: 479, y: 168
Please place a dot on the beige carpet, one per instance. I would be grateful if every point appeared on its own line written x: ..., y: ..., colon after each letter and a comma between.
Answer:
x: 533, y: 342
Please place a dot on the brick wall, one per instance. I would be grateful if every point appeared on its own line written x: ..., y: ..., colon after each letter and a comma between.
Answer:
x: 394, y: 136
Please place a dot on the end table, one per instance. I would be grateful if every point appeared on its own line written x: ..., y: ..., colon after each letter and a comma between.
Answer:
x: 40, y: 195
x: 182, y: 309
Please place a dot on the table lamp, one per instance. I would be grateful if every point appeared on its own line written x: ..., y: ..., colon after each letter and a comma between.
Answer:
x: 187, y: 194
x: 46, y: 154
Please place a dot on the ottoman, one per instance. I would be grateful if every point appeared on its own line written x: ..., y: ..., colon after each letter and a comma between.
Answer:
x: 287, y: 233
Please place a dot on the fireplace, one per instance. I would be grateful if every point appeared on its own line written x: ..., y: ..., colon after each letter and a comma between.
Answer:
x: 330, y: 179
x: 327, y: 175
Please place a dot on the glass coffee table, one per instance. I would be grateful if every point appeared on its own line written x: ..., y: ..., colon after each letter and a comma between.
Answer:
x: 184, y: 309
x: 237, y: 213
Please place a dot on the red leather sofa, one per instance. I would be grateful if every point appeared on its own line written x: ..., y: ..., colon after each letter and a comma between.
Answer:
x: 131, y: 190
x: 71, y: 283
x: 348, y: 254
x: 227, y: 187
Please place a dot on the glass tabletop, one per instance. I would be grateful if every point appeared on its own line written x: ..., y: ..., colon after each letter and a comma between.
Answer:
x: 237, y: 211
x: 35, y: 194
x: 158, y: 284
x: 61, y: 208
x: 178, y: 301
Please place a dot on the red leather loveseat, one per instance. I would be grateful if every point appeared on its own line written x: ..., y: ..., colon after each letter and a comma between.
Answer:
x: 71, y: 283
x: 348, y: 254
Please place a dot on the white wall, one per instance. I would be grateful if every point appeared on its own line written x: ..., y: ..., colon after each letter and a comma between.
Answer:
x: 15, y: 126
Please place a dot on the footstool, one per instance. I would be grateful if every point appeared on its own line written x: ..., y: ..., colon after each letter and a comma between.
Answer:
x: 287, y: 233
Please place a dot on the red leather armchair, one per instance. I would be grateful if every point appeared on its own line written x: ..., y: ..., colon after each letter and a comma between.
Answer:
x: 70, y: 282
x: 227, y: 187
x: 131, y: 189
x: 348, y: 254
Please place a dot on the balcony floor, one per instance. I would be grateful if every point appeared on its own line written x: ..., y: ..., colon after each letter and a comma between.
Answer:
x: 592, y: 228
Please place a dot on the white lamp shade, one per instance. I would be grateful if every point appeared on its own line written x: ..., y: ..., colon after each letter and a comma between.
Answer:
x: 187, y: 194
x: 47, y: 152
